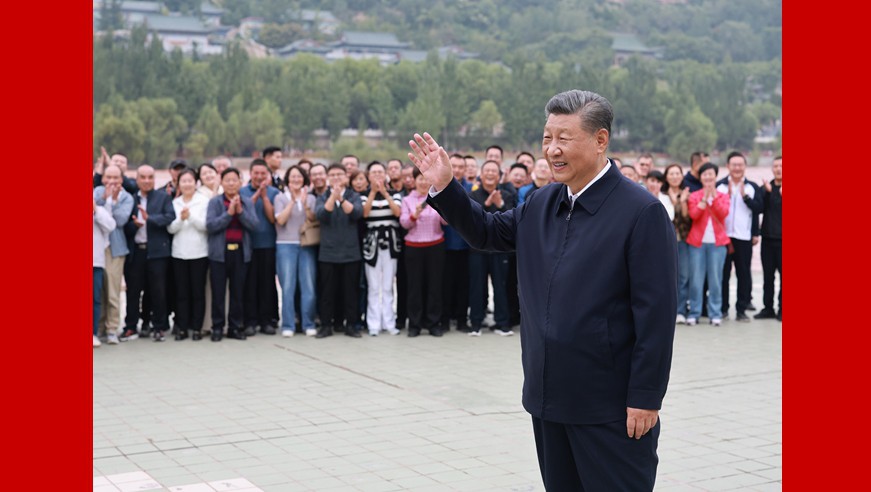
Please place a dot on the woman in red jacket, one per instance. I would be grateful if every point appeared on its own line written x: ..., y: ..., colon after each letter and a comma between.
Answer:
x: 707, y: 241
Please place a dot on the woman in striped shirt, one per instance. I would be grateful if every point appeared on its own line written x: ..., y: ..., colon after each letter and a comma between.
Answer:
x: 381, y: 247
x: 424, y: 259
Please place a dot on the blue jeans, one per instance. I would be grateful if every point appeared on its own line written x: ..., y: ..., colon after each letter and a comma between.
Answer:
x: 709, y: 259
x: 98, y: 296
x: 683, y: 276
x: 295, y: 265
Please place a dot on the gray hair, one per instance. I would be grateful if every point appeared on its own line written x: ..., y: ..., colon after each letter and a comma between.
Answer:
x: 595, y: 111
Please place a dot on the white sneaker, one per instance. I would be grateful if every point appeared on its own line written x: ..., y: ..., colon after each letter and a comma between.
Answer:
x: 112, y: 339
x: 310, y: 332
x: 716, y: 321
x: 392, y: 331
x: 475, y: 333
x: 681, y: 319
x: 97, y: 341
x: 692, y: 322
x: 287, y: 333
x: 373, y: 333
x: 504, y: 333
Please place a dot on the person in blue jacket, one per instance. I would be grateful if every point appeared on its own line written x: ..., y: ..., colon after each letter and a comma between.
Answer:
x: 597, y: 269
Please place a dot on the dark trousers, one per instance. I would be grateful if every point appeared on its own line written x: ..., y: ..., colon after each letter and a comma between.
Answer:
x: 741, y: 259
x: 511, y: 291
x: 425, y: 268
x: 339, y: 287
x: 233, y: 270
x: 190, y: 289
x: 772, y: 261
x: 401, y: 291
x: 146, y: 276
x: 455, y: 294
x: 261, y: 297
x: 595, y: 458
x: 496, y: 266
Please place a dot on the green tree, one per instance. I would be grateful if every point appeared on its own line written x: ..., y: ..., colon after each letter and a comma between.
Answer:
x: 212, y: 126
x: 119, y: 130
x: 687, y: 129
x: 484, y: 121
x: 164, y: 128
x: 279, y: 35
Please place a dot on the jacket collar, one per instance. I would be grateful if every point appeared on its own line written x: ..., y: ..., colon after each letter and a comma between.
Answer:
x: 593, y: 198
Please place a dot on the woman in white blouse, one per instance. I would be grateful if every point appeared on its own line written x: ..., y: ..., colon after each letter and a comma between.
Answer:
x: 190, y: 251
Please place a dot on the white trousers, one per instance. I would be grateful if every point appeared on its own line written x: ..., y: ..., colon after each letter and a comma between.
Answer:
x: 379, y: 312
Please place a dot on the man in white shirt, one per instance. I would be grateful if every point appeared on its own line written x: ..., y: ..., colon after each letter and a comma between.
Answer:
x: 746, y: 200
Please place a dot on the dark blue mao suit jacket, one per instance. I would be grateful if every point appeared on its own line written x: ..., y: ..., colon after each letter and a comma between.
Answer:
x: 598, y: 293
x: 160, y: 215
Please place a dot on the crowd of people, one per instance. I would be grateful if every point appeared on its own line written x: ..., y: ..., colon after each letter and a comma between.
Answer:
x: 359, y: 250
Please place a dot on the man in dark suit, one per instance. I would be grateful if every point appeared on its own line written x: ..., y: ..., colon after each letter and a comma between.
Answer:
x: 597, y: 269
x: 149, y: 243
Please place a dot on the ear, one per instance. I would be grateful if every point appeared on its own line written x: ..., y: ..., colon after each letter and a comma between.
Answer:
x: 602, y: 140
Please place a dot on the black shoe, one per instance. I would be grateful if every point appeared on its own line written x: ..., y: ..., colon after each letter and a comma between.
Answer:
x: 145, y: 332
x: 413, y: 332
x: 324, y: 332
x: 128, y: 335
x: 350, y: 332
x: 237, y: 335
x: 197, y: 336
x: 765, y: 314
x: 217, y: 335
x: 158, y: 336
x: 750, y: 306
x: 250, y: 331
x: 779, y: 317
x: 436, y: 332
x: 742, y: 318
x: 267, y: 330
x: 181, y: 335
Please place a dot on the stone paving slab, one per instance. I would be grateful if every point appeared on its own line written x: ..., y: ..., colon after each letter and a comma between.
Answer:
x: 391, y: 413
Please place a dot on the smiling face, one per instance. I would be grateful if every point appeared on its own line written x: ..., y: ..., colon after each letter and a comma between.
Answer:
x: 575, y: 155
x: 471, y: 169
x: 231, y: 183
x: 295, y: 179
x: 208, y: 177
x: 518, y: 177
x: 187, y: 184
x: 490, y: 174
x: 273, y: 160
x: 674, y: 176
x: 377, y: 173
x: 644, y: 165
x: 737, y: 166
x: 337, y: 178
x: 145, y: 178
x: 708, y: 178
x: 259, y: 174
x: 318, y: 177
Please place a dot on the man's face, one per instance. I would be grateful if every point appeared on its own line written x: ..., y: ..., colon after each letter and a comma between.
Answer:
x: 542, y: 170
x: 737, y: 166
x: 145, y: 178
x: 517, y: 177
x: 112, y: 176
x: 231, y: 184
x: 273, y: 160
x: 777, y: 169
x: 377, y: 174
x: 643, y: 166
x: 337, y: 178
x: 173, y: 173
x: 629, y: 172
x: 408, y: 178
x: 318, y: 177
x: 350, y: 163
x: 572, y: 152
x: 221, y: 165
x: 490, y: 174
x: 494, y: 155
x: 259, y: 174
x: 526, y: 160
x: 394, y: 170
x: 458, y: 166
x: 120, y: 161
x: 471, y: 169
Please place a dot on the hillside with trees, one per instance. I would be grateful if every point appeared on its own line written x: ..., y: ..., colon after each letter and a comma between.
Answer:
x: 714, y: 84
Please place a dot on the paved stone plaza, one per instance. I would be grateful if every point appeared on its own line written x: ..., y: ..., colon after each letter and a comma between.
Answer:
x: 391, y: 413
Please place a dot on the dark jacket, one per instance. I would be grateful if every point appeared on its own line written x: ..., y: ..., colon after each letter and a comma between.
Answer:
x: 217, y: 221
x: 340, y: 242
x: 160, y: 214
x: 772, y: 213
x: 598, y: 294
